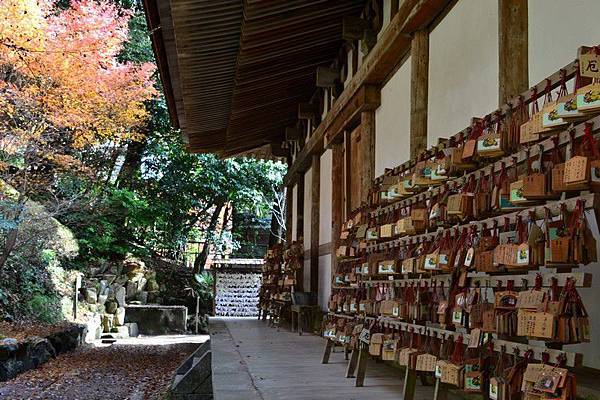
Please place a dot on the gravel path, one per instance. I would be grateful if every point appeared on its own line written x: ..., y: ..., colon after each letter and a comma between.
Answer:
x: 134, y: 371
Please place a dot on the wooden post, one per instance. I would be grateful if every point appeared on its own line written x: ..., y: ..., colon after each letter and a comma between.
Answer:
x: 410, y: 383
x: 327, y: 352
x: 315, y: 223
x: 441, y: 390
x: 352, y: 363
x: 361, y: 369
x: 197, y: 312
x: 300, y: 226
x: 76, y: 296
x: 337, y: 200
x: 513, y: 48
x: 367, y: 146
x: 289, y: 213
x: 419, y: 83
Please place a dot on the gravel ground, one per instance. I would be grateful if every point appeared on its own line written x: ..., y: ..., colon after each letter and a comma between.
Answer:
x: 133, y: 371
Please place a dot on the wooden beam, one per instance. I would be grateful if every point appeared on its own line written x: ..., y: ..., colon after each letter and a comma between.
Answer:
x: 326, y: 77
x: 367, y: 145
x: 337, y: 200
x: 315, y: 221
x: 307, y: 111
x: 383, y: 59
x: 368, y: 98
x: 300, y: 227
x: 513, y: 48
x: 419, y: 82
x: 353, y: 28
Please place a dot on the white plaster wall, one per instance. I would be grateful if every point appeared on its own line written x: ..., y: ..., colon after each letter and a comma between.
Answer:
x: 324, y: 281
x: 556, y: 30
x: 325, y: 199
x: 463, y: 67
x: 294, y: 212
x: 392, y: 121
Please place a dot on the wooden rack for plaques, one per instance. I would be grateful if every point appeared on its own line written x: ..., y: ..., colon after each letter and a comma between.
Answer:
x: 546, y: 145
x: 553, y: 273
x: 590, y: 201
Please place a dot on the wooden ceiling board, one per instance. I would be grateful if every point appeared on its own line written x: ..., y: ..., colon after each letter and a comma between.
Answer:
x: 239, y: 68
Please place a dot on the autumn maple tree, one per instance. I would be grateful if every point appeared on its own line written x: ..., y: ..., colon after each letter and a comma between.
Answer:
x: 62, y: 90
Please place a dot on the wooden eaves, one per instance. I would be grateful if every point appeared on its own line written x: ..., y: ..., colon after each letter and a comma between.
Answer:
x: 363, y: 91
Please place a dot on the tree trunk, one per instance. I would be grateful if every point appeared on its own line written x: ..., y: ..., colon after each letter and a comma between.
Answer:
x: 226, y: 216
x: 273, y: 237
x: 201, y: 258
x: 132, y: 163
x: 9, y: 246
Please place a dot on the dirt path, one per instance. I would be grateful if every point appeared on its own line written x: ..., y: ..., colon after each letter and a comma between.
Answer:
x: 133, y: 371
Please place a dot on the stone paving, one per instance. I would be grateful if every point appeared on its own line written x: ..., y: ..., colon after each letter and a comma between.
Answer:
x: 135, y: 369
x: 252, y: 361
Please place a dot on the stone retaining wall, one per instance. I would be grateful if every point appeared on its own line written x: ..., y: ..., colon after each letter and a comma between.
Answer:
x: 17, y: 357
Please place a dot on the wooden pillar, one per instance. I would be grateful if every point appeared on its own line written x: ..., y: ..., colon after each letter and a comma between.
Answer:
x: 367, y: 146
x: 315, y: 223
x: 512, y: 47
x: 300, y: 226
x: 347, y: 174
x: 419, y: 87
x: 337, y: 199
x: 289, y: 213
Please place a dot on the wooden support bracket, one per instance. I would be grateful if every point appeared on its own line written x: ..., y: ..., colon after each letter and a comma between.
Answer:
x: 353, y: 28
x: 292, y: 132
x: 307, y: 111
x: 327, y: 77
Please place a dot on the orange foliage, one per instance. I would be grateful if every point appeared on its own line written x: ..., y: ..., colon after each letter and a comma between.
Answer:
x: 68, y: 66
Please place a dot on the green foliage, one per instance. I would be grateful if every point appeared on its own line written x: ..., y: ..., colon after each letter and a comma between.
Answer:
x: 106, y: 230
x: 48, y: 256
x: 44, y: 308
x: 168, y: 198
x: 203, y: 289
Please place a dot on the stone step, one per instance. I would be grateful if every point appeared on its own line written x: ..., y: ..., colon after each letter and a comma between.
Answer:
x: 189, y: 362
x: 194, y: 375
x: 191, y: 397
x: 177, y: 379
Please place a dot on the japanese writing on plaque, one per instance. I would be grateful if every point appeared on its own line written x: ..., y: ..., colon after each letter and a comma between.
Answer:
x: 589, y: 65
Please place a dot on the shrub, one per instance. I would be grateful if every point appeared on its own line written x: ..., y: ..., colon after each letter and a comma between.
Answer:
x: 44, y: 308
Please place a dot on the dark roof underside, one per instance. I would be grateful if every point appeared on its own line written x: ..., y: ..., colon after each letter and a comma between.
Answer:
x: 236, y: 70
